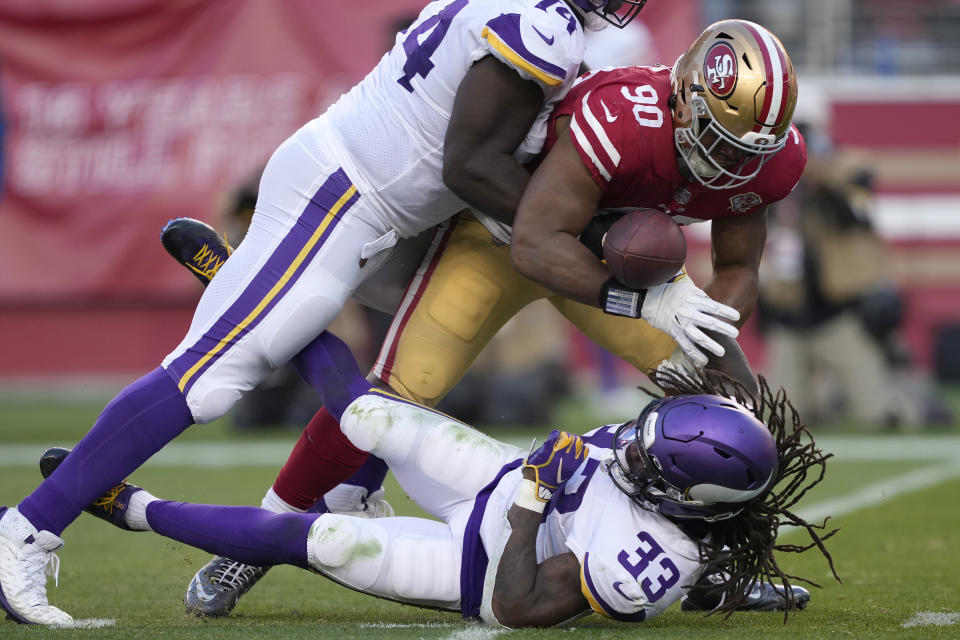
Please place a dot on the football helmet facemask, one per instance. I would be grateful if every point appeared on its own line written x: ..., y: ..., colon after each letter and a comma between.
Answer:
x: 734, y: 93
x: 597, y: 14
x: 694, y: 457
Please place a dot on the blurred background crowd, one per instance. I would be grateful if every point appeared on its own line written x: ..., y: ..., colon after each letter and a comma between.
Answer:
x: 117, y: 115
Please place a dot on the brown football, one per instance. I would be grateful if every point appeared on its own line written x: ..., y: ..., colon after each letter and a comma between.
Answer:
x: 644, y: 248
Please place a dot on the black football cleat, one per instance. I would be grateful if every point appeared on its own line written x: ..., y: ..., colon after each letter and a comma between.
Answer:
x: 111, y: 506
x: 762, y: 597
x: 197, y: 246
x: 216, y: 588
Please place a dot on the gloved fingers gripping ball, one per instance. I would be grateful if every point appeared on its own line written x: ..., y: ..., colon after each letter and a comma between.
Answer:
x: 552, y: 464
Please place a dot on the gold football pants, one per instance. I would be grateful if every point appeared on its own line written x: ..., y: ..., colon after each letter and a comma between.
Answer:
x: 465, y: 290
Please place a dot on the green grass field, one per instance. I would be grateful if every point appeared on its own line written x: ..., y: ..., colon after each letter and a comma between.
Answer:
x: 898, y: 551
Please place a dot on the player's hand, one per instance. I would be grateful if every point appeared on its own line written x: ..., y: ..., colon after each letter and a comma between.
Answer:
x: 677, y: 366
x: 554, y: 462
x: 681, y: 309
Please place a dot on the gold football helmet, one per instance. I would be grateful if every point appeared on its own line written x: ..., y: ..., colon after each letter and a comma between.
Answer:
x: 734, y: 95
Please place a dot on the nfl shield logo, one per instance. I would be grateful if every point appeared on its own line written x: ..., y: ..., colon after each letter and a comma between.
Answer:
x: 744, y: 202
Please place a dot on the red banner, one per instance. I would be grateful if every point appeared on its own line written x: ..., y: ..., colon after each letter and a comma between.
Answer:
x: 121, y: 114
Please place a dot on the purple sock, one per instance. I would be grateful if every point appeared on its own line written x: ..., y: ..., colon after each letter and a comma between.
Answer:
x: 248, y: 534
x: 136, y: 424
x: 330, y: 368
x: 370, y: 475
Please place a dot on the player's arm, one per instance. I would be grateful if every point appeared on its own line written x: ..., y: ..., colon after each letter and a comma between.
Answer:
x: 737, y: 246
x: 556, y: 207
x: 492, y: 113
x: 527, y: 594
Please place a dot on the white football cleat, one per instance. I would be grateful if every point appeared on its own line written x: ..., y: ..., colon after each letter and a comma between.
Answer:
x: 26, y: 559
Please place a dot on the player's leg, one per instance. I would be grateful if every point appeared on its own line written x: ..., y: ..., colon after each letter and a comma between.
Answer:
x: 439, y: 461
x: 411, y: 560
x: 279, y: 289
x: 463, y: 293
x: 628, y: 338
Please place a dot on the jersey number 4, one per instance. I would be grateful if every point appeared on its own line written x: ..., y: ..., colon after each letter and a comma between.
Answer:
x: 419, y: 53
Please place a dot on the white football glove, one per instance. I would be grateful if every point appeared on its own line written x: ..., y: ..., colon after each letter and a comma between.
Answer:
x: 681, y: 309
x: 677, y: 365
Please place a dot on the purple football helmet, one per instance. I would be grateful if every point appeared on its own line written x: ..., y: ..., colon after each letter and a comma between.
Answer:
x: 619, y: 13
x: 697, y: 456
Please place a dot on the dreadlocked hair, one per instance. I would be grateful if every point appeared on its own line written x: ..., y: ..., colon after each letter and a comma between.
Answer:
x: 742, y: 549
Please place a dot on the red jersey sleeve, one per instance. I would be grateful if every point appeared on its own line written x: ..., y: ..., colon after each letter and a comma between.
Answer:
x: 595, y: 130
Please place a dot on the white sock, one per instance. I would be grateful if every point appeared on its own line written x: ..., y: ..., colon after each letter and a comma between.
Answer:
x: 136, y: 515
x: 345, y: 498
x: 272, y: 502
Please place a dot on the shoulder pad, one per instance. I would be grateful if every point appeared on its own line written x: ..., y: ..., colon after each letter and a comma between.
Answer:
x: 540, y: 44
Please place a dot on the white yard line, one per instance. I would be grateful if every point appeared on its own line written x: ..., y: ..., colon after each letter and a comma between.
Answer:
x: 932, y: 618
x: 474, y: 633
x: 87, y: 623
x: 881, y: 491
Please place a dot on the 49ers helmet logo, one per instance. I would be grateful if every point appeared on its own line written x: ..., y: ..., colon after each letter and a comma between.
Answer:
x: 720, y: 70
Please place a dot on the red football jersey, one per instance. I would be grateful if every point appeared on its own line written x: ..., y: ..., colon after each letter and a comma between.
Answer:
x: 622, y: 127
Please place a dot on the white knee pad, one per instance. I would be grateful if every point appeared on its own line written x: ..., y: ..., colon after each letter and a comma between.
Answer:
x: 351, y: 550
x: 384, y: 427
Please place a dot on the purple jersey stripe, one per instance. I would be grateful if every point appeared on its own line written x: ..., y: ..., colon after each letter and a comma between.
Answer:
x: 503, y: 34
x: 474, y: 560
x: 597, y: 601
x: 282, y: 269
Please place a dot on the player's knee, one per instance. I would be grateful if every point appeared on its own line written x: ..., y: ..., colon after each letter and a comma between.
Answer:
x: 382, y: 426
x: 424, y: 384
x: 352, y: 550
x: 212, y: 403
x: 331, y: 541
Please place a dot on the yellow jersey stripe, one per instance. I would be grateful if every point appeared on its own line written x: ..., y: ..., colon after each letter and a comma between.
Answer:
x: 513, y: 57
x: 396, y: 396
x: 273, y: 292
x: 585, y: 589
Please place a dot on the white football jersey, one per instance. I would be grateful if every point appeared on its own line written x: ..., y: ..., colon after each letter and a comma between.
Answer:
x: 633, y: 563
x: 389, y: 129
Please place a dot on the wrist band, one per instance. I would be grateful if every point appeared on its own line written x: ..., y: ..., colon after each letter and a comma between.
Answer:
x: 527, y: 497
x: 620, y: 300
